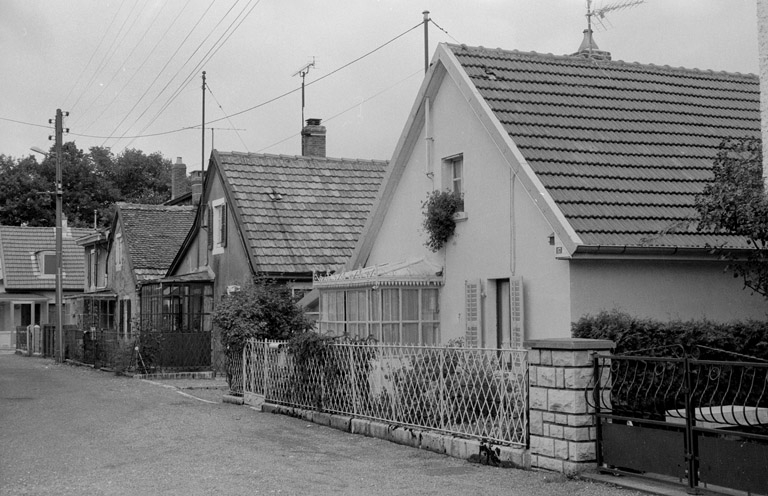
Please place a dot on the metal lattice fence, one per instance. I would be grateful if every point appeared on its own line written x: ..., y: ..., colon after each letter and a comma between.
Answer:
x: 479, y: 393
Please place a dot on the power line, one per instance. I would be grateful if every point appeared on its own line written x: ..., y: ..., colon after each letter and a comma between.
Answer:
x: 216, y: 45
x: 420, y: 71
x: 93, y: 54
x: 118, y: 70
x: 157, y: 77
x: 228, y: 120
x: 259, y: 105
x: 324, y: 76
x: 22, y: 122
x: 103, y: 61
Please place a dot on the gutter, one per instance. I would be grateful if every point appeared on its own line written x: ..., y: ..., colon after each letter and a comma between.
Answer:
x: 585, y: 252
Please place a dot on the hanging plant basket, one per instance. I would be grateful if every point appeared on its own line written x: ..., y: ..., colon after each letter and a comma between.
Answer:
x: 439, y: 223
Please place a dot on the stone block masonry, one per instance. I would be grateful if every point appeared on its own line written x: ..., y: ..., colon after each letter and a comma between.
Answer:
x: 444, y: 444
x: 561, y: 422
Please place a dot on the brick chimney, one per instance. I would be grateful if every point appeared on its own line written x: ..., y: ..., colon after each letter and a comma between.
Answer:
x: 179, y: 184
x: 313, y: 139
x: 588, y: 48
x: 196, y: 180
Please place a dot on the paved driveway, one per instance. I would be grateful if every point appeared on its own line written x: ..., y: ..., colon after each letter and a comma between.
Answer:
x: 71, y: 430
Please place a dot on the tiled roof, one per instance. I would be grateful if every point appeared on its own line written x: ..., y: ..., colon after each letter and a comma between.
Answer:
x: 622, y: 148
x: 316, y: 223
x: 153, y: 235
x: 21, y: 269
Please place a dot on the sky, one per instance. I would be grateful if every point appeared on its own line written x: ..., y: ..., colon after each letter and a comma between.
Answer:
x: 129, y: 72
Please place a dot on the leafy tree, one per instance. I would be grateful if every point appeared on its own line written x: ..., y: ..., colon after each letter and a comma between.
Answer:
x: 140, y: 178
x: 735, y: 203
x: 92, y: 181
x: 25, y: 197
x: 85, y: 192
x: 262, y: 309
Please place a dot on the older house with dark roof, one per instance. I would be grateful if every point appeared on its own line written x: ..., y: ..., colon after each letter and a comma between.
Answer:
x: 139, y: 247
x: 578, y: 177
x: 28, y: 276
x: 284, y: 217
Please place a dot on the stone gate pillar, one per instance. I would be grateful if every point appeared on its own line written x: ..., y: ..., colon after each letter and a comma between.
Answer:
x: 562, y: 425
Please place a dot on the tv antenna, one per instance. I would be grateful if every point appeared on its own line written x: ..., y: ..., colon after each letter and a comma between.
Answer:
x: 303, y: 73
x: 598, y: 14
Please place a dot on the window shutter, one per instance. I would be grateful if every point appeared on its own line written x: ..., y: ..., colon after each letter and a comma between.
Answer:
x: 128, y: 316
x: 210, y: 226
x: 516, y: 318
x: 472, y: 312
x: 224, y: 224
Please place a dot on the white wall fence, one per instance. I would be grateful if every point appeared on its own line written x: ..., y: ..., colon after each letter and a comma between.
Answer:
x: 469, y: 392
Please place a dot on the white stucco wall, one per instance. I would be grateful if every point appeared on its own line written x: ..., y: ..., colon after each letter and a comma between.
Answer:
x: 495, y: 242
x: 662, y: 290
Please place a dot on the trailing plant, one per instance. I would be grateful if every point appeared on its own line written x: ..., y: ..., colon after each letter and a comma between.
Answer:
x: 439, y: 209
x: 262, y: 309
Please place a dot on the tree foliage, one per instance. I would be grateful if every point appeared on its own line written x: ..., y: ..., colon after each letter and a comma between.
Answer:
x: 735, y: 203
x: 262, y: 309
x: 91, y: 182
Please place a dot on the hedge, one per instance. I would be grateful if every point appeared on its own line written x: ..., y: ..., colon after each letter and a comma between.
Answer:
x: 656, y: 338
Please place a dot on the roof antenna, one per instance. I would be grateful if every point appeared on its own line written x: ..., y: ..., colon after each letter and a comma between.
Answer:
x: 303, y: 73
x: 599, y: 14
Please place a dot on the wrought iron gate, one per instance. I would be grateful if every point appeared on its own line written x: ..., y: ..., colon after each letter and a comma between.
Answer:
x: 704, y: 422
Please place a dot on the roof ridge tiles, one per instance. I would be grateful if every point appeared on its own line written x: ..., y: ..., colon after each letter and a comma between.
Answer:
x: 606, y: 63
x: 302, y: 157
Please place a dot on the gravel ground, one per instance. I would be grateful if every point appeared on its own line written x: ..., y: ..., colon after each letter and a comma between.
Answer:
x: 68, y: 430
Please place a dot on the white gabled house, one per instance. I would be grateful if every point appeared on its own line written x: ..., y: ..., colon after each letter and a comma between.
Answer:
x: 579, y: 178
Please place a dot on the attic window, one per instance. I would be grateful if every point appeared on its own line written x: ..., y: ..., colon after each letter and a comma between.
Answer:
x: 46, y: 262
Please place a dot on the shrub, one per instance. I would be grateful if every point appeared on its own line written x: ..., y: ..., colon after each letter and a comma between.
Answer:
x: 653, y: 337
x: 438, y: 210
x: 262, y: 309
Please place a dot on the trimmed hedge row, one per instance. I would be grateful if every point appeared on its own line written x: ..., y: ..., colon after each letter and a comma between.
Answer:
x: 632, y: 334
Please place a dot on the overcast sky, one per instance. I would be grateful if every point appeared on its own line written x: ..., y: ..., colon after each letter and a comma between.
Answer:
x: 119, y: 66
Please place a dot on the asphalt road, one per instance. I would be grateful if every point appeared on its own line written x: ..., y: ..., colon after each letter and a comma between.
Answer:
x: 73, y: 430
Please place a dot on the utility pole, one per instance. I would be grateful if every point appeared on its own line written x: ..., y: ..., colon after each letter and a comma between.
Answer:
x: 426, y: 40
x: 202, y: 152
x: 59, y: 129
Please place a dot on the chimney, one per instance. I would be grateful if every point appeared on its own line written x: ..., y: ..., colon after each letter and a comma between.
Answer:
x: 313, y: 139
x: 179, y: 185
x: 589, y: 50
x: 196, y: 180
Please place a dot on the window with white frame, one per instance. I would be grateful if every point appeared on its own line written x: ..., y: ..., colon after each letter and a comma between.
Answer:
x: 453, y: 176
x: 396, y: 315
x: 218, y: 225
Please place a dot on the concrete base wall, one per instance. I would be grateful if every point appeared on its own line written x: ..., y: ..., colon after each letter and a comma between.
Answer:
x: 457, y: 447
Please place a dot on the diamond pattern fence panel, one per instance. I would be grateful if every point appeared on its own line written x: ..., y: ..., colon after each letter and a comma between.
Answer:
x: 478, y: 393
